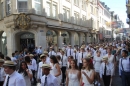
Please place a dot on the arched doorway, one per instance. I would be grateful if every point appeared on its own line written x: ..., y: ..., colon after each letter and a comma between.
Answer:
x: 24, y: 40
x: 66, y: 38
x: 27, y: 40
x: 76, y: 39
x: 51, y: 38
x: 4, y: 43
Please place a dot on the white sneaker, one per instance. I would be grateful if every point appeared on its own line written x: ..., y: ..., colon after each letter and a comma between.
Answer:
x: 96, y: 82
x: 99, y: 84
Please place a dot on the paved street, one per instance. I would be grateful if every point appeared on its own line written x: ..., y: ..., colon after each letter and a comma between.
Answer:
x: 117, y: 80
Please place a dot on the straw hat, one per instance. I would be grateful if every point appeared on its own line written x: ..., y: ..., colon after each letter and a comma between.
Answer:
x: 50, y: 47
x: 31, y: 55
x: 9, y: 63
x: 43, y: 55
x: 1, y: 60
x: 105, y: 58
x: 97, y: 46
x: 46, y: 66
x: 89, y: 56
x: 45, y: 52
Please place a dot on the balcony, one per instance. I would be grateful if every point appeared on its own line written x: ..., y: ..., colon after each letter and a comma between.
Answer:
x: 22, y: 10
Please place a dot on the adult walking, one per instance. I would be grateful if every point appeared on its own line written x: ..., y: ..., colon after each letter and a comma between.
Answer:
x: 124, y: 68
x: 13, y: 78
x: 48, y: 79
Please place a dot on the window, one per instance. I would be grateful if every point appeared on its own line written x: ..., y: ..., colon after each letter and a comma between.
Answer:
x: 51, y: 9
x: 22, y: 6
x: 76, y: 2
x: 8, y: 7
x: 48, y: 9
x: 66, y: 14
x: 37, y: 6
x: 83, y: 4
x: 91, y: 9
x: 76, y: 18
x: 54, y: 9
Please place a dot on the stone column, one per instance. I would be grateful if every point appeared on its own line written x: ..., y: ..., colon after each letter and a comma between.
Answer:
x: 10, y: 41
x: 72, y: 42
x: 40, y: 38
x: 60, y: 39
x: 80, y: 39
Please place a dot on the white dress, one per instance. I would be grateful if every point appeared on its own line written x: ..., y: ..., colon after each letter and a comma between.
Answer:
x: 27, y: 79
x: 111, y: 58
x: 54, y: 71
x: 84, y: 79
x: 97, y: 63
x: 73, y: 79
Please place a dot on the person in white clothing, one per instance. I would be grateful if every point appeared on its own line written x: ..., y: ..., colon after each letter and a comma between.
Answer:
x: 70, y: 51
x: 106, y: 71
x: 52, y: 52
x: 27, y: 73
x: 81, y: 56
x: 47, y: 57
x: 40, y: 73
x: 39, y: 51
x: 34, y: 67
x: 48, y: 79
x: 55, y: 68
x: 124, y: 68
x: 87, y: 73
x: 64, y: 61
x: 97, y: 60
x: 73, y: 75
x: 2, y: 72
x: 75, y: 55
x: 13, y: 78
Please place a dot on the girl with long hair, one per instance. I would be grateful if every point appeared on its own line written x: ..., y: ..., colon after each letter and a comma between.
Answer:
x: 27, y: 73
x: 73, y: 75
x: 87, y: 77
x: 55, y: 68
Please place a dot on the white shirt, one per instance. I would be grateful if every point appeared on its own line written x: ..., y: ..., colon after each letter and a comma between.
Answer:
x: 13, y: 59
x: 125, y: 62
x: 39, y: 73
x: 2, y: 74
x: 76, y: 55
x: 15, y: 79
x: 51, y: 80
x: 34, y: 65
x: 80, y: 56
x: 109, y: 69
x: 52, y: 53
x: 39, y: 51
x: 47, y: 60
x: 64, y: 60
x: 70, y: 51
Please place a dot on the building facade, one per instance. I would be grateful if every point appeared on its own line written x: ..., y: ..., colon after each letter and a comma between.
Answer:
x: 30, y: 23
x: 104, y: 22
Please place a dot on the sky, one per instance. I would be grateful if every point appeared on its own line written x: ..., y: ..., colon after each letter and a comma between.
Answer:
x: 119, y: 7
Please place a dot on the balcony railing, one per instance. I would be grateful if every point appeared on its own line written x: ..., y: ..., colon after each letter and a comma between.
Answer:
x: 22, y: 10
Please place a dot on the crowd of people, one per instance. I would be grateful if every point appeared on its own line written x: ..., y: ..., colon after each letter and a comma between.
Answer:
x: 88, y: 65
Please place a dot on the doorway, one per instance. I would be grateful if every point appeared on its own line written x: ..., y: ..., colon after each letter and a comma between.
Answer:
x: 27, y: 41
